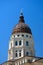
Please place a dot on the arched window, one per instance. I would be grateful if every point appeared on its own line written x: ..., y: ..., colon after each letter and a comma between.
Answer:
x: 16, y: 53
x: 19, y: 53
x: 19, y: 42
x: 27, y: 43
x: 16, y: 43
x: 27, y: 53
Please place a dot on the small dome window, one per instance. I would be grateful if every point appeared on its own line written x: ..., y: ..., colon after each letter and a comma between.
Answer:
x: 22, y: 35
x: 18, y: 35
x: 26, y: 35
x: 30, y: 36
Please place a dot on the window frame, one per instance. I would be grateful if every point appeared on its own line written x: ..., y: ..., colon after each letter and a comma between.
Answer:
x: 18, y: 35
x: 20, y: 53
x: 22, y: 35
x: 27, y: 43
x: 20, y: 43
x: 16, y: 53
x: 27, y: 53
x: 16, y: 43
x: 26, y: 35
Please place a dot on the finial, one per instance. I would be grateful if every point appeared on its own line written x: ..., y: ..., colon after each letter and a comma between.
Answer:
x: 21, y: 17
x: 21, y: 13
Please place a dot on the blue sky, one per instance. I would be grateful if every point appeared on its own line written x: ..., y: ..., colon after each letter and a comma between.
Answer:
x: 9, y: 17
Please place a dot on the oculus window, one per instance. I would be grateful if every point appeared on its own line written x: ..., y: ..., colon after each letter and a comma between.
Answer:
x: 18, y: 35
x: 26, y: 35
x: 22, y: 35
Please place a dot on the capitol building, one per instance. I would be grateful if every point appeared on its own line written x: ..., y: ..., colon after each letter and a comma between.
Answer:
x: 21, y: 46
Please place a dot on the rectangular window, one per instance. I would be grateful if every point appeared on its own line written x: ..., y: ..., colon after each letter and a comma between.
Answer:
x: 27, y: 53
x: 16, y: 53
x: 19, y: 53
x: 27, y: 43
x: 19, y: 42
x: 16, y: 43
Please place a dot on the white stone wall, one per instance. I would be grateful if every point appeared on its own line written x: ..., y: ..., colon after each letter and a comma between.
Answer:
x: 22, y: 47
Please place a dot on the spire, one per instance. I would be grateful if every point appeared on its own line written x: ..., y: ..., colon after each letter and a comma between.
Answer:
x: 21, y: 17
x: 21, y: 13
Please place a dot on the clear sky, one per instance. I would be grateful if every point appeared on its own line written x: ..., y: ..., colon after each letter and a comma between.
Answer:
x: 9, y: 16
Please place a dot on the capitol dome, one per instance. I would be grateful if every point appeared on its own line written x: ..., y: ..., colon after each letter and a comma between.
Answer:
x: 21, y: 27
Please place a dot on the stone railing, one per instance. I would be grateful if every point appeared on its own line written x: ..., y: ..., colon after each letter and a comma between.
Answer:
x: 21, y: 61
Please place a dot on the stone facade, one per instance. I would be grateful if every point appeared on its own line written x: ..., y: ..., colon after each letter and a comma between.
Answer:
x: 23, y: 47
